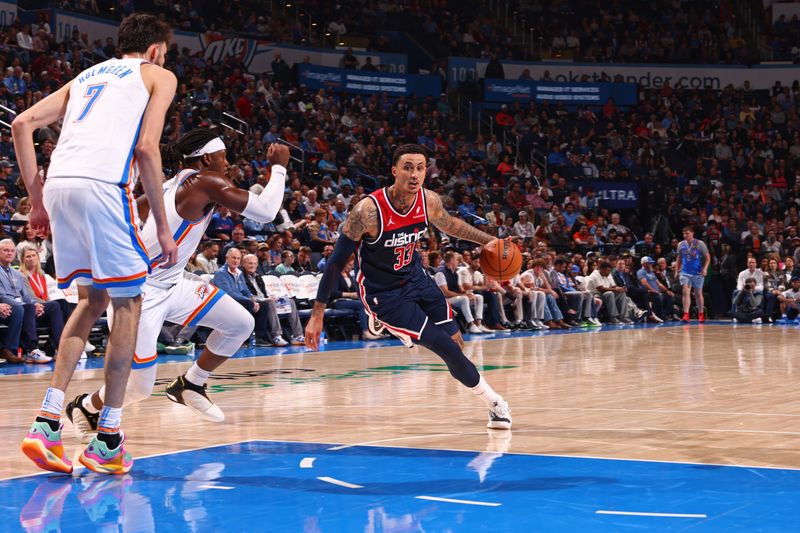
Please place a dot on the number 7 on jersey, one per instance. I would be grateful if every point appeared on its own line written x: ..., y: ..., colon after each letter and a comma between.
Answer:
x: 92, y: 94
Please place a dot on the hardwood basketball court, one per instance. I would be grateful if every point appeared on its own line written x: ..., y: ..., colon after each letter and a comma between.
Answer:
x: 714, y: 394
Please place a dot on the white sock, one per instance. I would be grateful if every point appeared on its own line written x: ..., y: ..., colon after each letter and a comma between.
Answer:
x: 485, y: 392
x: 110, y: 419
x: 88, y: 405
x: 53, y: 403
x: 197, y: 376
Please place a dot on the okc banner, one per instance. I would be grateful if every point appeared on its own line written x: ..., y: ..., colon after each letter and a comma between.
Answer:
x: 571, y: 94
x: 358, y: 81
x: 257, y: 55
x: 461, y: 69
x: 613, y: 194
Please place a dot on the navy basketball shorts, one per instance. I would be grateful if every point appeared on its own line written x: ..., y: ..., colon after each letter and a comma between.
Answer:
x: 407, y: 310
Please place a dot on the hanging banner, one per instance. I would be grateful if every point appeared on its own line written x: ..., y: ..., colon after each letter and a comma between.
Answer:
x: 257, y: 56
x: 358, y: 81
x: 716, y: 77
x: 613, y: 194
x: 570, y: 94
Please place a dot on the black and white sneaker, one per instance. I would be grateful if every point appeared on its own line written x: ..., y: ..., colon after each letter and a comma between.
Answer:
x: 499, y: 416
x: 186, y: 393
x: 84, y: 422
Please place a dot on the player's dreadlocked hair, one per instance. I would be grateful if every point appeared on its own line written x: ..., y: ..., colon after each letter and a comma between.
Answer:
x: 172, y: 156
x: 195, y: 139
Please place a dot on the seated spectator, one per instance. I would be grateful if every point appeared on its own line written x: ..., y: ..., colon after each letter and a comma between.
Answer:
x: 577, y: 300
x: 14, y: 292
x: 790, y: 301
x: 447, y: 279
x: 774, y: 284
x: 32, y: 238
x: 473, y: 282
x: 264, y: 264
x: 523, y: 228
x: 318, y: 230
x: 536, y: 299
x: 255, y: 284
x: 238, y: 238
x: 619, y: 307
x: 286, y: 264
x: 326, y: 253
x: 661, y: 300
x: 552, y: 314
x: 206, y: 260
x: 232, y: 280
x: 303, y: 262
x: 345, y: 296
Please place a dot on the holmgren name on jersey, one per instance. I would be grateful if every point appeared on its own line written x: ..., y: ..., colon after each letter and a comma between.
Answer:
x: 401, y: 239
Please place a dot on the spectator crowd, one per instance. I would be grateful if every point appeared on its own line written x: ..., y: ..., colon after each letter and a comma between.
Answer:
x: 725, y: 163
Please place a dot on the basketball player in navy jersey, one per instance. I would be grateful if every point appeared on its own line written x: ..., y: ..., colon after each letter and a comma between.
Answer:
x: 383, y: 230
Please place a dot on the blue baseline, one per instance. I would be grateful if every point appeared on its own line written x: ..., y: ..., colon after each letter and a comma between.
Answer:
x: 260, y: 486
x: 97, y: 362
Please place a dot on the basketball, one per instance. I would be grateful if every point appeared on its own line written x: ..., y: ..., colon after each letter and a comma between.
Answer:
x: 501, y: 260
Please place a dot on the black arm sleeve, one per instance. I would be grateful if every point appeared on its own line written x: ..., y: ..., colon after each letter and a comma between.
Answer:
x: 333, y: 267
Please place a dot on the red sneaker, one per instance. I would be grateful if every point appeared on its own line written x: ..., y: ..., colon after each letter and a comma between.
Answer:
x: 701, y: 318
x: 685, y: 317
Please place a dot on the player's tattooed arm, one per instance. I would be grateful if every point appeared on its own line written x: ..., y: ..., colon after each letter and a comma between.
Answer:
x: 455, y: 227
x: 361, y: 221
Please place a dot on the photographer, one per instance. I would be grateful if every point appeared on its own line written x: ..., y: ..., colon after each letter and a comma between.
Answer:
x: 747, y: 305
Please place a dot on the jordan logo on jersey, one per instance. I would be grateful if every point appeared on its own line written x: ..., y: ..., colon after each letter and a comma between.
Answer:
x: 390, y: 222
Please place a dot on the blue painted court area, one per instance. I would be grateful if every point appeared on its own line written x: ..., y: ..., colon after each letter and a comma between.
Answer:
x: 303, y: 487
x: 97, y: 362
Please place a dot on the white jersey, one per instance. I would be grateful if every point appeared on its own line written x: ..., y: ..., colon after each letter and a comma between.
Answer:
x: 102, y: 122
x: 187, y: 233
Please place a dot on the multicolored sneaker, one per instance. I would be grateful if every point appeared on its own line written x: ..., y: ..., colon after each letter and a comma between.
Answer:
x: 43, y: 446
x: 98, y: 458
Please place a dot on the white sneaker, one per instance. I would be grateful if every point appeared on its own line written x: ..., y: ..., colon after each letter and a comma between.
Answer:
x: 639, y: 313
x: 756, y: 321
x: 37, y: 357
x: 500, y: 416
x: 474, y: 329
x: 539, y: 324
x: 595, y: 321
x: 279, y: 341
x: 185, y: 392
x: 484, y: 329
x: 89, y: 347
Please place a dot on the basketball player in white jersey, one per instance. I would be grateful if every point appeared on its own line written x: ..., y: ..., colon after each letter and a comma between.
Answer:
x: 172, y: 295
x: 113, y: 117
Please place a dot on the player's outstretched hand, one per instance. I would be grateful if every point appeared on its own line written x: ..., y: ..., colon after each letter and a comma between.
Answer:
x: 169, y: 250
x: 313, y: 330
x: 278, y: 154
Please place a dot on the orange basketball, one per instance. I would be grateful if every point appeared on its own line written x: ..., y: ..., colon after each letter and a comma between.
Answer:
x: 501, y: 260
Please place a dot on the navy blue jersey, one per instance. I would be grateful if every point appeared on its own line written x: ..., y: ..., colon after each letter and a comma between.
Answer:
x: 391, y: 260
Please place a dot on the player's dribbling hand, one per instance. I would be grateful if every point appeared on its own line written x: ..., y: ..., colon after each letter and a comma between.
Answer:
x: 278, y: 154
x: 313, y: 330
x: 169, y: 250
